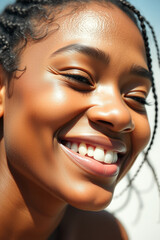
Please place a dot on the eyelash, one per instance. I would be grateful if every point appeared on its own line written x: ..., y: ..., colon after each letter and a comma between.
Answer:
x: 78, y: 78
x: 140, y: 100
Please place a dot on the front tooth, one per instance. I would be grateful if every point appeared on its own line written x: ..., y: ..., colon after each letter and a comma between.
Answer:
x: 74, y: 147
x: 90, y: 151
x: 82, y: 149
x: 99, y: 154
x: 109, y: 156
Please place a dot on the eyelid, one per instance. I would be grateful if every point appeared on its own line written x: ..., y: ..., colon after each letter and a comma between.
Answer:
x: 137, y: 93
x: 73, y: 71
x: 137, y: 100
x: 77, y: 72
x: 52, y: 69
x: 80, y: 86
x: 140, y: 100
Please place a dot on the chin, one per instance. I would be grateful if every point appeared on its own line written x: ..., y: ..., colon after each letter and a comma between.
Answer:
x: 97, y: 201
x: 92, y: 206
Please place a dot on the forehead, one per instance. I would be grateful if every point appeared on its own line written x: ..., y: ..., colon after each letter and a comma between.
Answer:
x: 97, y: 25
x: 101, y: 19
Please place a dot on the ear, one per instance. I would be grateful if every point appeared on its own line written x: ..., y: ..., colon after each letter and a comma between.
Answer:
x: 2, y: 91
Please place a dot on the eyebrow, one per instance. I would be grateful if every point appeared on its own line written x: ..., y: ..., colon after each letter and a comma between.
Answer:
x: 141, y: 72
x: 86, y: 50
x: 101, y: 56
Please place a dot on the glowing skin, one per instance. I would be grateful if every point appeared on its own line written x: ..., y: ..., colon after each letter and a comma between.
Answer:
x: 46, y: 106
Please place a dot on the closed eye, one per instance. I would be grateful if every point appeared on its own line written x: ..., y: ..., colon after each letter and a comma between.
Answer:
x: 140, y: 100
x: 78, y: 78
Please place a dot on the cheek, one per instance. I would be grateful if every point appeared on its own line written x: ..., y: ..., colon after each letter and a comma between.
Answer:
x: 55, y: 107
x: 139, y: 139
x: 43, y: 103
x: 141, y: 134
x: 34, y: 113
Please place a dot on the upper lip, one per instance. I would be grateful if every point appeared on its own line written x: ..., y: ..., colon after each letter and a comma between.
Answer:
x: 115, y: 145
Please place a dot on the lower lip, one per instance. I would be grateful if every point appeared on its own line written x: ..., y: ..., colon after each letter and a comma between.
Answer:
x: 92, y: 166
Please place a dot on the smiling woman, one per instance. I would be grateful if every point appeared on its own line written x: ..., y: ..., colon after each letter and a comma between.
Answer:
x: 73, y: 116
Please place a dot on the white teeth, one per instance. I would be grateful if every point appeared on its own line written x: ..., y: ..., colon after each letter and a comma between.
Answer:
x: 74, y: 147
x: 82, y: 149
x: 99, y: 154
x: 110, y: 157
x: 90, y: 151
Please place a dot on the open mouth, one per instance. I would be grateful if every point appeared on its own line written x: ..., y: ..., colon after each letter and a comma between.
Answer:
x: 100, y: 160
x: 96, y: 152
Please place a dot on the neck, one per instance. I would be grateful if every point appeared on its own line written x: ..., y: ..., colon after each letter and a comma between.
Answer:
x: 26, y: 210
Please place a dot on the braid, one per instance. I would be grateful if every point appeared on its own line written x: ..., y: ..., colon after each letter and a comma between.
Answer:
x: 154, y: 174
x: 142, y: 21
x: 15, y: 28
x: 4, y: 43
x: 22, y: 21
x: 155, y: 40
x: 17, y: 10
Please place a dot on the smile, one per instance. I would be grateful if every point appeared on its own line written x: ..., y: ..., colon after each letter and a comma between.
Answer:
x: 103, y: 159
x: 98, y: 153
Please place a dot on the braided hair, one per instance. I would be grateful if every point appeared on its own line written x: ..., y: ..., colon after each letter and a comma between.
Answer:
x: 19, y: 23
x: 143, y: 23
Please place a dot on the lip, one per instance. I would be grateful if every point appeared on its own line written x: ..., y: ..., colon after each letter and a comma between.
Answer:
x: 90, y: 165
x: 101, y: 141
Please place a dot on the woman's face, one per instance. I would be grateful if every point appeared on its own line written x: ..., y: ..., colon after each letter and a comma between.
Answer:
x: 83, y: 88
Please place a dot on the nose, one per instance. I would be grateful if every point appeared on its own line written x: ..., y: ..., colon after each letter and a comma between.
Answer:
x: 113, y: 114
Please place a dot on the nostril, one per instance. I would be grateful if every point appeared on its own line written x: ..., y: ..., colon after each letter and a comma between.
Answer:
x: 118, y: 126
x: 127, y: 130
x: 130, y: 128
x: 105, y: 123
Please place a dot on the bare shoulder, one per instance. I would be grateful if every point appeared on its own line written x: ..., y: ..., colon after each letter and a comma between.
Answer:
x: 78, y: 225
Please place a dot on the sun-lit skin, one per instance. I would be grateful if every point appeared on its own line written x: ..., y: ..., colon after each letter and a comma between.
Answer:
x: 46, y: 106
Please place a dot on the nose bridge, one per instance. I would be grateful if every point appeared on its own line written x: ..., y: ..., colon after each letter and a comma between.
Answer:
x: 109, y: 108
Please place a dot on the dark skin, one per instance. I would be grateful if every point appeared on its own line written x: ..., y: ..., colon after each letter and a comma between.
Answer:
x: 79, y: 224
x: 47, y: 107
